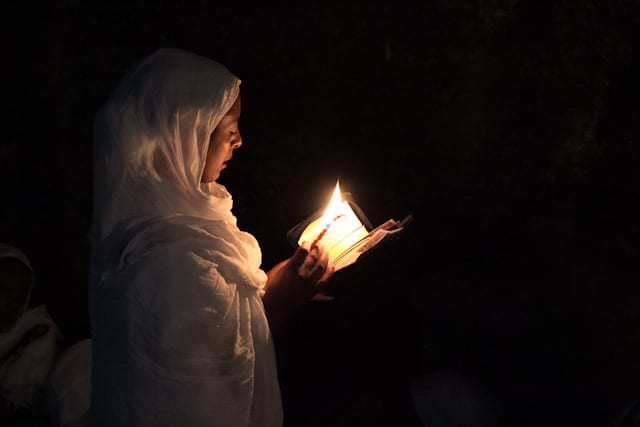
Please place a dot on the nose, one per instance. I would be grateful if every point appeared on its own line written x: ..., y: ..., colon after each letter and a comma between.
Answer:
x: 238, y: 142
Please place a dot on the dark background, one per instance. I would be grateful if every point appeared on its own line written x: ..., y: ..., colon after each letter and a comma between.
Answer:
x: 509, y: 129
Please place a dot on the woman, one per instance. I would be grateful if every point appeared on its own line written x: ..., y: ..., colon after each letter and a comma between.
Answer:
x: 29, y: 342
x: 178, y: 301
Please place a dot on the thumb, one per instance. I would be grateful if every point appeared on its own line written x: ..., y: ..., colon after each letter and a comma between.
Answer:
x: 299, y: 255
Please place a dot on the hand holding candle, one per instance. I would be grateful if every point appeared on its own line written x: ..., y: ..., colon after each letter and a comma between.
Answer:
x: 315, y: 266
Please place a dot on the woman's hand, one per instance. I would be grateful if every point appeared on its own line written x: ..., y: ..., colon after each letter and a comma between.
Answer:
x: 294, y: 281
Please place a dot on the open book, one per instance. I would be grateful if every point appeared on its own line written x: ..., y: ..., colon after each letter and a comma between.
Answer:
x: 344, y: 230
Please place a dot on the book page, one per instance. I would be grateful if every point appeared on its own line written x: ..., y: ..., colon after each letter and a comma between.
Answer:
x: 336, y: 231
x: 352, y: 254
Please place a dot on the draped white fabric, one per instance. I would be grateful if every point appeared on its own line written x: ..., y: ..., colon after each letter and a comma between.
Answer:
x: 25, y: 367
x: 179, y: 331
x: 69, y: 386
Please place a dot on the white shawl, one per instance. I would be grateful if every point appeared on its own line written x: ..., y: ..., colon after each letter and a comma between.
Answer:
x: 24, y: 368
x: 179, y: 331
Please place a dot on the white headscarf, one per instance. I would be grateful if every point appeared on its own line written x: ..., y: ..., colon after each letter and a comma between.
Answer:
x: 151, y: 140
x: 9, y: 251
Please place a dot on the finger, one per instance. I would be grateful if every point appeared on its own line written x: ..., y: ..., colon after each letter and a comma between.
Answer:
x: 307, y: 268
x: 314, y: 253
x: 300, y: 255
x: 317, y: 271
x: 327, y: 274
x: 320, y: 267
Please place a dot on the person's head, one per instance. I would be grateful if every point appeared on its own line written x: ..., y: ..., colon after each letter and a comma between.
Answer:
x: 224, y: 140
x: 162, y: 139
x: 16, y: 280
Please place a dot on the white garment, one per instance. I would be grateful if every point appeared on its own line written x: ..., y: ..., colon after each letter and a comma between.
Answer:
x: 69, y: 385
x: 179, y: 332
x: 25, y: 366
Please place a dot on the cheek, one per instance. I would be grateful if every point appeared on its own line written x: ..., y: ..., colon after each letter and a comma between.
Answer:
x: 213, y: 147
x: 215, y: 153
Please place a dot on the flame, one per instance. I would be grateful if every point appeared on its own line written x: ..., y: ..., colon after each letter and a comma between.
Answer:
x: 338, y: 227
x: 335, y: 206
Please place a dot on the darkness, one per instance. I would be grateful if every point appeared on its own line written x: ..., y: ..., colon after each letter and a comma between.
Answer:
x: 509, y: 129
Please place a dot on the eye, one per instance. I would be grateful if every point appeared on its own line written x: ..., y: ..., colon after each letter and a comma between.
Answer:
x: 233, y: 132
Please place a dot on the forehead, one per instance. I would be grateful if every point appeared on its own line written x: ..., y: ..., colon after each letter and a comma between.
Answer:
x: 234, y: 111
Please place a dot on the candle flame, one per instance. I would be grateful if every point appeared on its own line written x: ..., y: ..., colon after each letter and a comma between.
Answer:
x: 334, y: 207
x: 337, y: 228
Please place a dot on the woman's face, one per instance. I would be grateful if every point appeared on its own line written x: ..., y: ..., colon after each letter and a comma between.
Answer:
x: 224, y: 139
